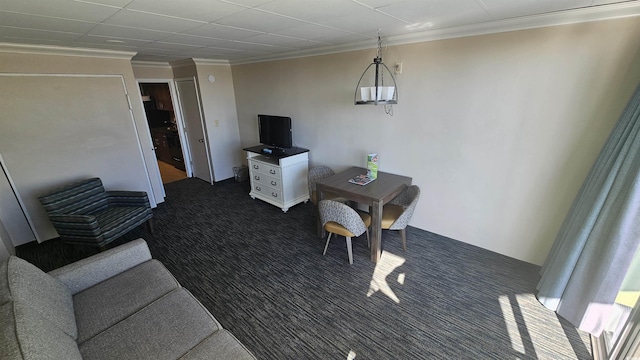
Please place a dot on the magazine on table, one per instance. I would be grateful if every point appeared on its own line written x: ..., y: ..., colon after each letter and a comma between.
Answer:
x: 361, y: 179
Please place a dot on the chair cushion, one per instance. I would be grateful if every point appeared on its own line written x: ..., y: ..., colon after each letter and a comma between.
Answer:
x: 335, y: 228
x: 26, y: 335
x: 32, y: 288
x: 117, y: 221
x: 105, y: 304
x: 165, y: 329
x: 390, y: 213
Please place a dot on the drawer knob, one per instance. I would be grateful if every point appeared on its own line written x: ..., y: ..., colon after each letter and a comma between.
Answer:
x: 274, y: 183
x: 272, y: 171
x: 274, y: 194
x: 256, y: 166
x: 258, y: 188
x: 256, y: 177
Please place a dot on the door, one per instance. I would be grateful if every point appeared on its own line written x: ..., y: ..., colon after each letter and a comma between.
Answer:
x: 12, y: 215
x: 194, y: 126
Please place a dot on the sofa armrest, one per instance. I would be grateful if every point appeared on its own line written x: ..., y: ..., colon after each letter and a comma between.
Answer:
x: 128, y: 198
x: 87, y: 272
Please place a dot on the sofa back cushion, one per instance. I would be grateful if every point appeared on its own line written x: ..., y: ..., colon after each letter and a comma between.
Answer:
x: 25, y: 335
x: 43, y: 295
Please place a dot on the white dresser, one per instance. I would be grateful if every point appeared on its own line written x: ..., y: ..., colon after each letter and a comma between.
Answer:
x: 279, y: 178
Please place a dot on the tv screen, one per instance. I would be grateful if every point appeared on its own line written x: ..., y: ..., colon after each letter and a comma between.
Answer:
x: 275, y: 131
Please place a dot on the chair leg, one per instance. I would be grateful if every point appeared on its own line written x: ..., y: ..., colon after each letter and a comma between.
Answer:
x: 368, y: 241
x: 403, y: 233
x: 349, y: 249
x: 150, y: 226
x: 327, y: 245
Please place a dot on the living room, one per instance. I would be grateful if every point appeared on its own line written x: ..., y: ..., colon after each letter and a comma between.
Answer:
x: 499, y: 130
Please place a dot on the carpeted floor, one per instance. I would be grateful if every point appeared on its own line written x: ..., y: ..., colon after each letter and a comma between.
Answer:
x: 262, y: 274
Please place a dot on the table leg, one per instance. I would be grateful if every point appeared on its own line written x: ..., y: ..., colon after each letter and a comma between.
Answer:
x: 319, y: 228
x: 376, y: 231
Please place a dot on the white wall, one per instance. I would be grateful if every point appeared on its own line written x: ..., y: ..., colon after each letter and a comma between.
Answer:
x: 45, y: 139
x: 6, y: 247
x: 499, y: 130
x: 221, y: 118
x: 219, y: 112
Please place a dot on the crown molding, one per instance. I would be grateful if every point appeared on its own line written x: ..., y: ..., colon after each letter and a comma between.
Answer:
x: 567, y: 17
x: 210, y: 62
x: 64, y: 51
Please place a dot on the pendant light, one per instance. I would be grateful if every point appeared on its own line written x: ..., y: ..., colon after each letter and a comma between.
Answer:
x: 377, y: 84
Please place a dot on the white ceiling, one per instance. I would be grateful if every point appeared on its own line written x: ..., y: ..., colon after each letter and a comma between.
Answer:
x: 250, y: 30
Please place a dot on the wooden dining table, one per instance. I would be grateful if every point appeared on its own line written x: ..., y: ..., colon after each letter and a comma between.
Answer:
x: 375, y: 194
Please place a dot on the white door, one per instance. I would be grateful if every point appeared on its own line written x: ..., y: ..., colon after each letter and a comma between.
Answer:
x: 12, y: 215
x: 194, y: 126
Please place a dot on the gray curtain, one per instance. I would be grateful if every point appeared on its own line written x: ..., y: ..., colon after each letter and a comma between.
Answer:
x: 600, y: 235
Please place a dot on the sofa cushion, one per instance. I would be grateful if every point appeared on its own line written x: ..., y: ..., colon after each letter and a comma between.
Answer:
x: 103, y: 305
x: 220, y: 345
x: 26, y: 335
x: 166, y: 329
x: 47, y: 297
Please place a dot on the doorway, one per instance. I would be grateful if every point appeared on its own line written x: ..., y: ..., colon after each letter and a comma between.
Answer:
x: 163, y: 126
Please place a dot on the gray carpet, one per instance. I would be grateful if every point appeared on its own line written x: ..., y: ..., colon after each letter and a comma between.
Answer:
x: 262, y: 274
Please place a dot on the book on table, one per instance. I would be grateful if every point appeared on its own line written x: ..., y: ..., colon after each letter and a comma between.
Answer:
x: 361, y: 179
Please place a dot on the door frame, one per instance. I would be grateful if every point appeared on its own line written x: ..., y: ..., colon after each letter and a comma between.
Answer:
x: 179, y: 124
x: 202, y: 122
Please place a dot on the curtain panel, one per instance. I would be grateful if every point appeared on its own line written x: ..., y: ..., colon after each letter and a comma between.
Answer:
x: 600, y: 235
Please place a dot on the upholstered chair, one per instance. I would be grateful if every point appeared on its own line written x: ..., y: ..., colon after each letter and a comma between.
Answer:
x: 84, y: 213
x: 317, y: 173
x: 398, y: 212
x: 338, y: 218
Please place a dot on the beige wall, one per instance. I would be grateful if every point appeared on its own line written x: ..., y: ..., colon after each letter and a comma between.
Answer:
x: 160, y: 71
x: 499, y: 130
x: 126, y: 138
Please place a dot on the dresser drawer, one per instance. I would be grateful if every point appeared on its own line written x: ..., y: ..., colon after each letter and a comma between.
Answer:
x: 268, y: 191
x: 274, y: 171
x: 262, y: 179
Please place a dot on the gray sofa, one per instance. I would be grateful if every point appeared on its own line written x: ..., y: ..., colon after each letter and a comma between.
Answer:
x: 119, y: 304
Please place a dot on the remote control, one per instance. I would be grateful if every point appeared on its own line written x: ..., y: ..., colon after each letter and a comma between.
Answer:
x: 266, y: 151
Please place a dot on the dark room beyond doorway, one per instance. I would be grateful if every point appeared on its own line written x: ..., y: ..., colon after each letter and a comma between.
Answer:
x: 161, y: 119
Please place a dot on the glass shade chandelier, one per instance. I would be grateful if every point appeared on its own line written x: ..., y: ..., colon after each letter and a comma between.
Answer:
x: 377, y: 85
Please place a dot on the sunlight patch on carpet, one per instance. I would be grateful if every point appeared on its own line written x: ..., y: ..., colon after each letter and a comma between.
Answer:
x: 387, y: 264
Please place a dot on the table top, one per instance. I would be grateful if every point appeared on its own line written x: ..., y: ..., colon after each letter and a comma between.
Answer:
x: 384, y: 188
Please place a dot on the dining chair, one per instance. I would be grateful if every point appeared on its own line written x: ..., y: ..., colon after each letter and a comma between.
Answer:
x: 398, y: 212
x: 338, y: 218
x: 318, y: 173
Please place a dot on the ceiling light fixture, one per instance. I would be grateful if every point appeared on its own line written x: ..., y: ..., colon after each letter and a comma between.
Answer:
x: 371, y: 88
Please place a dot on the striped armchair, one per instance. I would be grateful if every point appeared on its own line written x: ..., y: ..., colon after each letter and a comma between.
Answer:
x: 84, y: 213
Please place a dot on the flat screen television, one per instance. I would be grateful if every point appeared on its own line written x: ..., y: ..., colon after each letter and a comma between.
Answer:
x: 275, y: 131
